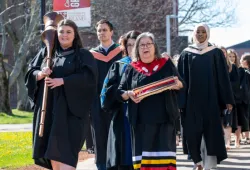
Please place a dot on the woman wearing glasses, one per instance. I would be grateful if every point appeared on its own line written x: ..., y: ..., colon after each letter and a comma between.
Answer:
x: 152, y: 119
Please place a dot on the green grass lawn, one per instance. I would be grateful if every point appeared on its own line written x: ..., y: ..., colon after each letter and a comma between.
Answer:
x: 19, y: 117
x: 15, y: 149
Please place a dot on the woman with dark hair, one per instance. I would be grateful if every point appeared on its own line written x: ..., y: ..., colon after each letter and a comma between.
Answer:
x: 243, y: 106
x: 245, y: 63
x: 208, y: 91
x: 119, y: 152
x: 72, y: 86
x: 153, y: 118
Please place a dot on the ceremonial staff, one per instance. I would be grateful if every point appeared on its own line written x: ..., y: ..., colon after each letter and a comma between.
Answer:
x: 50, y: 20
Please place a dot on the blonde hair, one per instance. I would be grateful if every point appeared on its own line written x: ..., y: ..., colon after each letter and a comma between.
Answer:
x: 237, y: 61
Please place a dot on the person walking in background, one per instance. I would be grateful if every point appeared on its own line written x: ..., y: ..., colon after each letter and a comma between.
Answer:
x: 203, y: 68
x: 67, y: 107
x: 245, y: 62
x: 229, y: 118
x: 243, y: 106
x: 105, y: 54
x: 119, y: 153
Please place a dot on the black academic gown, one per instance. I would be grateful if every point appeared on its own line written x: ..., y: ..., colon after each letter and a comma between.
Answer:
x: 119, y: 151
x: 101, y: 119
x: 207, y: 92
x: 243, y: 103
x: 67, y: 105
x: 132, y: 79
x: 235, y: 83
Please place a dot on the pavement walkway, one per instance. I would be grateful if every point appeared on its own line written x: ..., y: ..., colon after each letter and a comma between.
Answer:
x: 238, y: 159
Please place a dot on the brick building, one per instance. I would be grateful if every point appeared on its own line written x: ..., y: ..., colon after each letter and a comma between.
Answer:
x: 241, y: 48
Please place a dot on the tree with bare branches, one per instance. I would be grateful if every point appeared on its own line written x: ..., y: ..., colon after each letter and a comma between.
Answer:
x: 4, y: 90
x: 213, y: 12
x: 191, y: 12
x: 19, y: 19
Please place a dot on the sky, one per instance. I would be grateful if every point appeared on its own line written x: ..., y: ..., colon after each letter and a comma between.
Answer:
x: 238, y: 32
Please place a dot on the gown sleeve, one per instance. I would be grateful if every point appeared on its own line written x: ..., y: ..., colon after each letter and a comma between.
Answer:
x: 125, y: 83
x: 109, y: 89
x: 176, y: 73
x: 81, y: 87
x: 247, y: 71
x: 171, y: 98
x: 235, y: 82
x: 223, y: 83
x: 30, y: 77
x: 184, y: 74
x: 243, y: 85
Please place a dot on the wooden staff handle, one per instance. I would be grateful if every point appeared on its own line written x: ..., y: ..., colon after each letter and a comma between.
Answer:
x: 48, y: 37
x: 43, y: 112
x: 45, y: 96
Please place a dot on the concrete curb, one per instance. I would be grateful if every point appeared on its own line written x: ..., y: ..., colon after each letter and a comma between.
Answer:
x: 15, y: 127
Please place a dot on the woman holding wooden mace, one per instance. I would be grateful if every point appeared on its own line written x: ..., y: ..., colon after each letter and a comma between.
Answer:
x: 71, y: 88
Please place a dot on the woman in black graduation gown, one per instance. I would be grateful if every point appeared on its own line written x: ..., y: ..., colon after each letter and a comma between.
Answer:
x: 229, y: 118
x: 119, y: 150
x: 72, y: 86
x: 243, y: 107
x: 208, y: 91
x: 153, y: 118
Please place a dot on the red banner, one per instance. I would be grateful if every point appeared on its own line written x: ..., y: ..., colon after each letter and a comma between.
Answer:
x: 59, y: 5
x: 76, y: 10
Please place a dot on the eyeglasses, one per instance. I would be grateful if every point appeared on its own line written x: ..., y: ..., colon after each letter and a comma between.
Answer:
x: 148, y: 45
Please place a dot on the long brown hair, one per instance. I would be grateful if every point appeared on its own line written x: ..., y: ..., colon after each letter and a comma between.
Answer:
x: 77, y: 43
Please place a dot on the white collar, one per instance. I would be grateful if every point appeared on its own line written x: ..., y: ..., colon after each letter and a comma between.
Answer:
x: 107, y: 48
